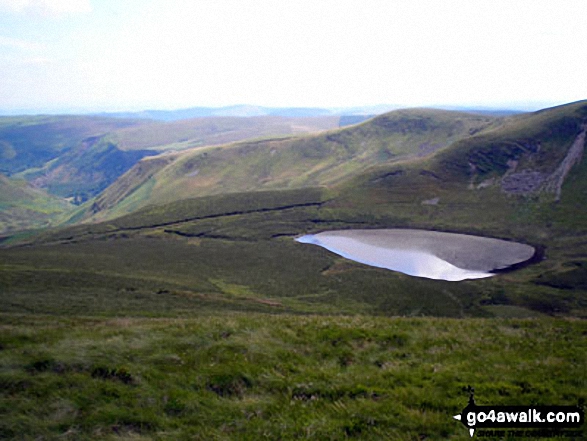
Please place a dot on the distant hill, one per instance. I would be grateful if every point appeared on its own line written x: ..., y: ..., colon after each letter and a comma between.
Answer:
x: 82, y: 172
x: 290, y: 112
x: 530, y: 167
x: 76, y: 157
x: 518, y: 176
x: 82, y: 158
x: 31, y: 141
x: 248, y: 111
x: 322, y: 159
x: 522, y: 154
x: 211, y: 229
x: 197, y: 132
x: 66, y: 155
x: 493, y: 111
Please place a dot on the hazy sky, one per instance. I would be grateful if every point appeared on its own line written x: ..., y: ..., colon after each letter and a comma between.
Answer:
x: 59, y: 55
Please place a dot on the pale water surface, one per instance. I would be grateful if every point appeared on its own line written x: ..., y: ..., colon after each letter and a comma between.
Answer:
x: 422, y: 253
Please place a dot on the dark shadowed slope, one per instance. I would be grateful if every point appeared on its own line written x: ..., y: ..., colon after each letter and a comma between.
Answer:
x: 31, y: 141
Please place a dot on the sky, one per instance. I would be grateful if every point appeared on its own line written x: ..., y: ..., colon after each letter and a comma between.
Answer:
x: 121, y: 55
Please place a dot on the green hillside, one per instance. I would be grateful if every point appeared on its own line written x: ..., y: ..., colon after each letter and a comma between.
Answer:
x: 521, y: 164
x: 83, y: 172
x: 202, y: 318
x: 244, y: 240
x: 24, y: 207
x: 76, y: 157
x: 323, y: 159
x: 260, y: 376
x: 28, y: 142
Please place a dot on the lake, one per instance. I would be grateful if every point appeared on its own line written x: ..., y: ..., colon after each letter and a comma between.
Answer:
x: 423, y: 253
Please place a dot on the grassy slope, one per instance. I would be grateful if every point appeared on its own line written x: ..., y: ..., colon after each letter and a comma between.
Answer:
x: 396, y: 192
x: 240, y: 239
x: 31, y: 141
x: 394, y: 196
x: 240, y: 236
x: 78, y: 156
x: 23, y: 207
x: 537, y: 140
x: 235, y: 251
x: 202, y: 319
x: 323, y: 159
x: 215, y: 253
x: 84, y: 172
x: 52, y: 153
x: 252, y: 376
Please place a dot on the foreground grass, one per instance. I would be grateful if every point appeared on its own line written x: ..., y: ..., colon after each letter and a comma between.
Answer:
x: 259, y: 376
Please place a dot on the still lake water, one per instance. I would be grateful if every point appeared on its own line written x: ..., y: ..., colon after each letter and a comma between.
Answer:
x: 420, y: 253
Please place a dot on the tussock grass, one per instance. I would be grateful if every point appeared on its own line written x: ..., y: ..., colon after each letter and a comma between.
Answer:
x: 248, y: 376
x: 203, y: 319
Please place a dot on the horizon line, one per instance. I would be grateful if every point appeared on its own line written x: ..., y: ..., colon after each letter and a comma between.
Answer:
x: 522, y: 106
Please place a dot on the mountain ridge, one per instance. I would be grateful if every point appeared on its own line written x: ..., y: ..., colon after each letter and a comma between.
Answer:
x: 216, y: 251
x: 309, y: 160
x: 76, y: 157
x: 246, y: 110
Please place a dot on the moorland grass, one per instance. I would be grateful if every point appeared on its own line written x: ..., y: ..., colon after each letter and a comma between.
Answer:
x: 180, y: 259
x: 250, y: 376
x: 203, y: 319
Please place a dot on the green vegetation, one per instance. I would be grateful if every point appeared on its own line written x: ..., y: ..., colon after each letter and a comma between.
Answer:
x: 191, y: 250
x: 245, y: 239
x: 250, y: 376
x: 305, y: 161
x: 23, y: 207
x: 202, y: 318
x: 76, y: 157
x: 80, y: 174
x: 198, y: 246
x: 32, y: 141
x: 54, y: 154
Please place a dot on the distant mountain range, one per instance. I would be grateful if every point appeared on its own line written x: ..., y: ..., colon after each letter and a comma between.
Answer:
x: 246, y: 110
x: 101, y: 161
x: 290, y: 112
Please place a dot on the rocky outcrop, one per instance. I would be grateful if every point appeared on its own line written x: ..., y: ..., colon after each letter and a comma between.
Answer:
x: 524, y: 182
x: 555, y: 181
x: 527, y: 182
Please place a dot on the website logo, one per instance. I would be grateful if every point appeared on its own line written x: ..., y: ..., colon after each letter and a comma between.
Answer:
x: 547, y: 421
